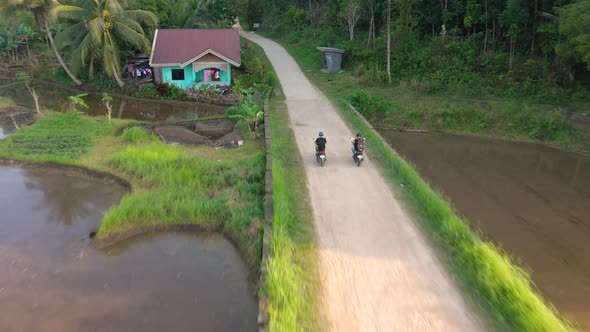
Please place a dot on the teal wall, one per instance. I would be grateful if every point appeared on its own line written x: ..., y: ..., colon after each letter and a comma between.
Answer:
x: 190, y: 77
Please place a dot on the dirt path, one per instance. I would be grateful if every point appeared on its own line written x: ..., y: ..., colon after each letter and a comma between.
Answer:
x: 377, y: 271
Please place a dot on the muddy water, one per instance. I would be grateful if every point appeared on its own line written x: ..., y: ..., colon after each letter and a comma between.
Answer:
x: 532, y: 200
x: 56, y: 98
x: 50, y: 280
x: 6, y: 129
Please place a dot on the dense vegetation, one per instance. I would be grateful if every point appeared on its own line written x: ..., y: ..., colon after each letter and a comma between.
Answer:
x: 534, y: 48
x: 91, y: 39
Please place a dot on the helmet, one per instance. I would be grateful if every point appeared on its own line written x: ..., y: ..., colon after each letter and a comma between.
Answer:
x: 358, y: 135
x: 321, y: 133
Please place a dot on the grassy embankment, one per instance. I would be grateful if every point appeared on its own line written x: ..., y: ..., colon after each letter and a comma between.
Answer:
x: 217, y: 189
x: 406, y: 106
x: 6, y: 102
x: 292, y: 281
x: 491, y: 276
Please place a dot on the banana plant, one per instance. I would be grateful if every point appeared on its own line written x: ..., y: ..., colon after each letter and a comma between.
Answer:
x: 77, y: 100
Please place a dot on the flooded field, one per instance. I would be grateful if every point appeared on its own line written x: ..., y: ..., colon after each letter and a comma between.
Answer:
x: 50, y: 280
x: 53, y: 97
x: 532, y: 200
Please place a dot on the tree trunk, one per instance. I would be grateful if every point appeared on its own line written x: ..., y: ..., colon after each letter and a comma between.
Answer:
x: 14, y: 122
x: 389, y: 41
x: 35, y: 97
x: 122, y: 107
x: 534, y: 27
x: 371, y: 27
x: 485, y: 39
x: 512, y: 47
x: 109, y: 110
x: 61, y: 61
x: 121, y: 84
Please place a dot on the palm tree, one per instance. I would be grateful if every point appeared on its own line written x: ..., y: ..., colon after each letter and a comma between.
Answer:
x: 98, y: 30
x: 39, y: 8
x: 185, y: 11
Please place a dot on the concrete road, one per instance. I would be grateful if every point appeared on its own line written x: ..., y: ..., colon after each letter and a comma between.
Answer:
x: 378, y: 272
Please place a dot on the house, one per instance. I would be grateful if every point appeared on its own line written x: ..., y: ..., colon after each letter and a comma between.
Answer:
x: 189, y: 58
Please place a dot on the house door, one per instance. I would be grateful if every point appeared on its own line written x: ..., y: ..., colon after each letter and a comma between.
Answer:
x: 215, y: 75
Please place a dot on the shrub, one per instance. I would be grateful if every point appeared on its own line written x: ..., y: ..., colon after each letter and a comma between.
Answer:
x: 370, y: 105
x: 135, y: 134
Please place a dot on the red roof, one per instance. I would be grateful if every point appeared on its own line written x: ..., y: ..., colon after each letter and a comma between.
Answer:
x: 183, y: 46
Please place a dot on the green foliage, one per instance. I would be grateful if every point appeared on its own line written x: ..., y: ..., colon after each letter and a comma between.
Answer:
x: 294, y: 17
x: 575, y: 25
x: 55, y: 136
x: 77, y: 100
x: 136, y: 134
x: 6, y: 102
x: 292, y: 281
x: 202, y: 14
x: 178, y: 188
x: 161, y: 91
x: 248, y: 110
x: 486, y: 50
x: 112, y: 28
x: 370, y: 105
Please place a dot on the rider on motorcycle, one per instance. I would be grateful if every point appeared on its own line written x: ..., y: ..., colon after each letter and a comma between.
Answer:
x: 359, y: 141
x: 320, y: 143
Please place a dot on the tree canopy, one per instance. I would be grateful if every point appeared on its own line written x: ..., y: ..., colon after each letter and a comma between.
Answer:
x: 98, y: 30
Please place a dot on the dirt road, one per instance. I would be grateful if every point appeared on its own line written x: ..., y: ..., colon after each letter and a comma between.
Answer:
x: 378, y: 273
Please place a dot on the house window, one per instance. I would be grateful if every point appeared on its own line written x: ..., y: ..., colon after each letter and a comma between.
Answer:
x: 178, y: 74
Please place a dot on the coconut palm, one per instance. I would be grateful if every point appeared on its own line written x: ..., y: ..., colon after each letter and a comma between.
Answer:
x: 98, y: 30
x: 186, y: 11
x: 39, y: 8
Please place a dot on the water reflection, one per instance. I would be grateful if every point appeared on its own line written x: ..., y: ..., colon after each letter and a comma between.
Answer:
x: 66, y: 199
x: 532, y: 200
x: 50, y: 280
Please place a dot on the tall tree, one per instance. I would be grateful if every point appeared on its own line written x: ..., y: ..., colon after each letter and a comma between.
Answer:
x: 371, y: 11
x: 351, y: 12
x: 40, y: 9
x: 98, y: 31
x: 389, y: 41
x: 512, y: 18
x: 574, y: 24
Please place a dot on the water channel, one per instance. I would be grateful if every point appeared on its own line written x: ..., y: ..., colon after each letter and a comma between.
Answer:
x: 532, y: 200
x: 51, y: 280
x: 55, y: 98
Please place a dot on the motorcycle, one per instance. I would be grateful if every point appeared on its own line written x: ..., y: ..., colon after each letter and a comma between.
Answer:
x: 358, y: 157
x: 321, y: 157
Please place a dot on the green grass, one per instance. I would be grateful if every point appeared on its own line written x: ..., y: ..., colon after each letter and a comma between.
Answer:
x: 175, y: 187
x: 6, y: 102
x: 492, y: 277
x: 409, y: 107
x: 217, y: 189
x: 55, y: 137
x: 292, y: 282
